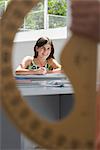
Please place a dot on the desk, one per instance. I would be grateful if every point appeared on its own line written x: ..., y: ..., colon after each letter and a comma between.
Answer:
x: 50, y: 84
x: 52, y: 101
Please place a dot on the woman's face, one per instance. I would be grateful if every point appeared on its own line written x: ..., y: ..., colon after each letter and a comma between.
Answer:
x: 44, y: 51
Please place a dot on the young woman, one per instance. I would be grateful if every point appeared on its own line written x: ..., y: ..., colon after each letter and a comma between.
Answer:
x: 43, y: 60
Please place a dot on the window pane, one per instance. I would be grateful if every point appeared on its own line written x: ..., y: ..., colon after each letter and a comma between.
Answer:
x: 56, y: 21
x: 57, y: 10
x: 35, y: 20
x: 55, y: 13
x: 2, y: 7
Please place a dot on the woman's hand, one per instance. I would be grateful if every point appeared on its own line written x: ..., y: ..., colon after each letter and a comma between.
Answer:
x: 41, y: 70
x: 58, y: 70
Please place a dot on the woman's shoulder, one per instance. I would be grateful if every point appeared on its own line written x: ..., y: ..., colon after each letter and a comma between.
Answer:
x: 27, y: 59
x: 52, y: 60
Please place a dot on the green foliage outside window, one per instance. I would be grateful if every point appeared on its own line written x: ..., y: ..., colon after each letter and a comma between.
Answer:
x: 39, y: 6
x: 35, y: 18
x: 57, y: 13
x: 2, y: 7
x: 57, y: 7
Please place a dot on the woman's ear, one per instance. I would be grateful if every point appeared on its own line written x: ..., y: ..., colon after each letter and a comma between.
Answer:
x: 37, y: 48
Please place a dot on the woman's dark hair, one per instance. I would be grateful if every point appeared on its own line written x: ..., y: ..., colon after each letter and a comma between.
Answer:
x: 42, y: 41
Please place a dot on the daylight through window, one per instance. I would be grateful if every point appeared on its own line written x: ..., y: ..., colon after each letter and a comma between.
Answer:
x: 46, y: 14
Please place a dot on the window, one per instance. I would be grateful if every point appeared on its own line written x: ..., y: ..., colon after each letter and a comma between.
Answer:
x: 2, y: 7
x: 46, y: 14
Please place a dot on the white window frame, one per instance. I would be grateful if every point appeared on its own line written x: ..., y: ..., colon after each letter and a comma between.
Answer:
x: 32, y: 35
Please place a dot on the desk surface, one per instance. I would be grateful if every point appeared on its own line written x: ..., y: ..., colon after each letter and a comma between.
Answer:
x: 50, y: 75
x: 36, y: 90
x: 49, y: 84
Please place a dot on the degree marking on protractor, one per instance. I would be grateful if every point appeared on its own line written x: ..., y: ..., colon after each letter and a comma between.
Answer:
x: 79, y: 59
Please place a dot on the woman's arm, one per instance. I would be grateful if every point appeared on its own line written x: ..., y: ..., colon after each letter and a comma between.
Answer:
x: 30, y: 72
x: 21, y: 69
x: 55, y: 65
x: 58, y: 70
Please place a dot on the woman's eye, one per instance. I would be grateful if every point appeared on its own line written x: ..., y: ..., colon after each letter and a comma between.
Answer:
x: 48, y: 48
